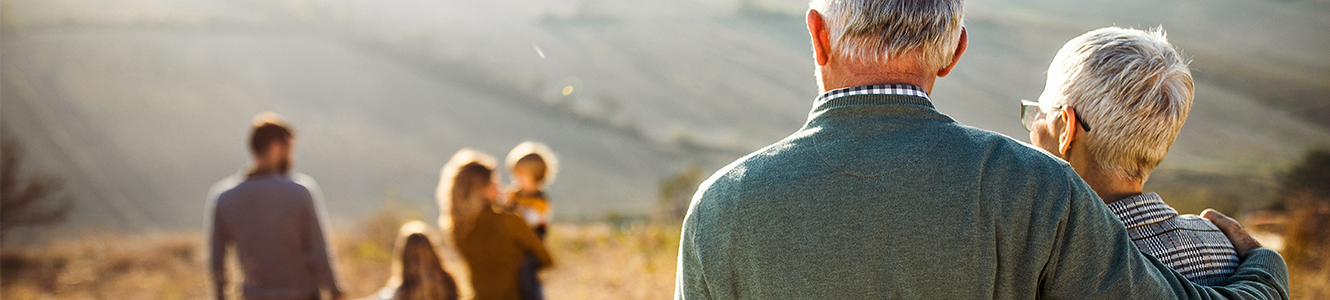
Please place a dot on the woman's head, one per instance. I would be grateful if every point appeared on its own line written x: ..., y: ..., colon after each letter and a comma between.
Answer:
x: 466, y: 186
x: 475, y: 182
x: 417, y: 270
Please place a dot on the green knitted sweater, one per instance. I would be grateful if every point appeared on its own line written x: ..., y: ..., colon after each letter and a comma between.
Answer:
x: 882, y: 196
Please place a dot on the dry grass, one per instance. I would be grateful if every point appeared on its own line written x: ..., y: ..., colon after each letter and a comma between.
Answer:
x: 594, y: 261
x: 107, y: 267
x: 1307, y: 247
x: 1309, y: 283
x: 599, y: 261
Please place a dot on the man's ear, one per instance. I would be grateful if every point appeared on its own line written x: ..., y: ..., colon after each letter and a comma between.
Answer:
x: 960, y: 49
x: 1069, y: 130
x: 821, y: 42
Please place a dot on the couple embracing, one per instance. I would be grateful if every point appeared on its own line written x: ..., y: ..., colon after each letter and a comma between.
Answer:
x: 879, y: 195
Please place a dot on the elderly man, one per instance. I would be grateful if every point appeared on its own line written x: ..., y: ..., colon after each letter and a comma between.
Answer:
x: 881, y: 196
x: 1128, y: 92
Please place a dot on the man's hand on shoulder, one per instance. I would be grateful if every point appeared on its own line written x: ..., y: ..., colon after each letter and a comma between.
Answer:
x: 1242, y: 242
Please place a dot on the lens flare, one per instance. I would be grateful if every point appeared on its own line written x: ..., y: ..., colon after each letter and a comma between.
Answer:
x: 538, y: 51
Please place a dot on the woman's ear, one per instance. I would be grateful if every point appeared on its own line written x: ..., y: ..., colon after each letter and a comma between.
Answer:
x: 1069, y: 131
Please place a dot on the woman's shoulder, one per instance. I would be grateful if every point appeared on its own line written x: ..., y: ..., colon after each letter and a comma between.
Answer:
x: 505, y: 217
x: 521, y: 196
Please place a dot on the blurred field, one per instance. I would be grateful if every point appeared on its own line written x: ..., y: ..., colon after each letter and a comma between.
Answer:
x: 107, y: 266
x: 594, y: 261
x: 602, y: 260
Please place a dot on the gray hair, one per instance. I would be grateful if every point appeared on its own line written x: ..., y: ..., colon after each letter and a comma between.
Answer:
x: 1134, y: 90
x: 869, y: 31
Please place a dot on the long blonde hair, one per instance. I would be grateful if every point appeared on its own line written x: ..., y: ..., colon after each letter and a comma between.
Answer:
x: 417, y: 270
x: 461, y: 190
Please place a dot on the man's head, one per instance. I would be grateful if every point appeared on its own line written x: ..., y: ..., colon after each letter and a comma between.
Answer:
x: 270, y: 141
x: 1131, y: 87
x: 864, y: 37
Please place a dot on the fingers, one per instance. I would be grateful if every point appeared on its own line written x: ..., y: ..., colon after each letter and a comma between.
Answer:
x: 1242, y: 242
x: 1219, y: 219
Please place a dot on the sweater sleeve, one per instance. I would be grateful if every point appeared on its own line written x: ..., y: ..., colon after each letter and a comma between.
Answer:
x: 1093, y: 258
x: 218, y: 239
x: 689, y: 280
x: 527, y: 240
x: 318, y: 257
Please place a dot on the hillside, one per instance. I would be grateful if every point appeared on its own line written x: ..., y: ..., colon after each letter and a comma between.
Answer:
x: 141, y: 105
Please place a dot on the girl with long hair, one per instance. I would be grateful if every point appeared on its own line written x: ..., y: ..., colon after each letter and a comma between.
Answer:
x: 417, y: 270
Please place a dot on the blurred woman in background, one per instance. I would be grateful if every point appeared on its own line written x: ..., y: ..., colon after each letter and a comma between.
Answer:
x: 493, y: 243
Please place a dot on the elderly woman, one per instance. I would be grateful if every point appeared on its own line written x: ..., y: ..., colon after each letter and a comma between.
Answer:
x: 1115, y: 100
x: 493, y: 243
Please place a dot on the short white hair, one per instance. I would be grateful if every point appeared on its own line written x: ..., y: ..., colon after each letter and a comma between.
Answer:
x: 876, y: 31
x: 1134, y: 90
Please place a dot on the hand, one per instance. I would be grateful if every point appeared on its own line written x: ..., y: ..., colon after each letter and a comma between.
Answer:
x: 1242, y: 242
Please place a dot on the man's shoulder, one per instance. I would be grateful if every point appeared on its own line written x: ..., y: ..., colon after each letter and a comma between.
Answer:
x: 1009, y: 170
x: 225, y: 185
x: 1002, y: 153
x: 728, y: 182
x: 304, y: 180
x: 779, y: 154
x: 996, y: 157
x: 283, y: 185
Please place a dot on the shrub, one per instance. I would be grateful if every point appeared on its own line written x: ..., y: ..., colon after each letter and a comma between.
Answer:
x: 30, y: 203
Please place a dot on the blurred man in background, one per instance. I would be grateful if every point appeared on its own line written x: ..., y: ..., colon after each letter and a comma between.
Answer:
x: 1114, y: 102
x: 273, y: 221
x: 879, y: 195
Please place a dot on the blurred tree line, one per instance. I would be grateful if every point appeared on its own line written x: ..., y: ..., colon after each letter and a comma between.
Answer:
x: 677, y: 192
x: 1310, y: 177
x: 1304, y: 197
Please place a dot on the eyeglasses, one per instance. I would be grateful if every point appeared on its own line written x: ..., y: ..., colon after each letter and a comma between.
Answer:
x: 1031, y: 110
